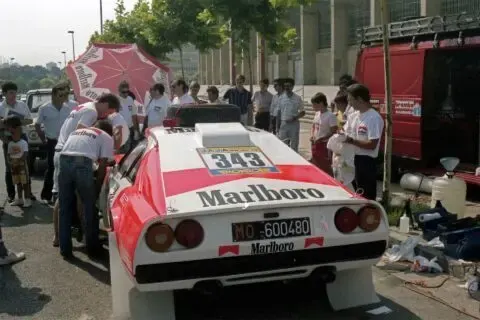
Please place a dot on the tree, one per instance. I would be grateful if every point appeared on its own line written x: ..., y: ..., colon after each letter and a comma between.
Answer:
x: 176, y: 23
x: 267, y: 17
x: 133, y: 27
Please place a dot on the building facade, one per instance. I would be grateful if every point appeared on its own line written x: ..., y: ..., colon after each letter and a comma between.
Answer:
x: 327, y: 45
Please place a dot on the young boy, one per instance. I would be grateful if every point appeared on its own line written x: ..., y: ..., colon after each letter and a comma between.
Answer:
x: 323, y: 127
x: 17, y: 157
x: 341, y: 103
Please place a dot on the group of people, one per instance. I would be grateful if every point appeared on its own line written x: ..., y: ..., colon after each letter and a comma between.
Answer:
x: 80, y: 141
x: 346, y: 140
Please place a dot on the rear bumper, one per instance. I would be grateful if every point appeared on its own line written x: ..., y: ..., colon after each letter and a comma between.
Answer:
x: 166, y: 273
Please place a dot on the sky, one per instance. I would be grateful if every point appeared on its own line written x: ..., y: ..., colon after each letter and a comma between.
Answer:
x: 35, y: 31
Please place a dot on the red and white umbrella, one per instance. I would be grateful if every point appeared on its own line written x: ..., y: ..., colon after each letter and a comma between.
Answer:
x: 103, y: 66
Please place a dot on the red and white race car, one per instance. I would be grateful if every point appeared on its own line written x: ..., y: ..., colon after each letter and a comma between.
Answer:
x: 220, y: 204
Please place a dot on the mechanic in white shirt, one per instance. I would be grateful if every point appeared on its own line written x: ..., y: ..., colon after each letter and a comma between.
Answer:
x: 52, y: 116
x: 291, y: 110
x: 121, y: 132
x: 129, y: 111
x: 274, y: 107
x: 180, y: 90
x: 83, y: 148
x: 83, y: 116
x: 323, y: 127
x: 366, y: 133
x: 157, y: 107
x: 11, y: 107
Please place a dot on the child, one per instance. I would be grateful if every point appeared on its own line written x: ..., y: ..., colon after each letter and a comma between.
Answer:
x: 341, y: 103
x: 17, y: 157
x: 323, y: 127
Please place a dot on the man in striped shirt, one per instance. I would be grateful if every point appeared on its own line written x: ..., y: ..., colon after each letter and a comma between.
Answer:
x: 240, y: 97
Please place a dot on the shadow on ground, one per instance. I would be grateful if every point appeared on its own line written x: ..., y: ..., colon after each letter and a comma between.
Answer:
x: 32, y: 300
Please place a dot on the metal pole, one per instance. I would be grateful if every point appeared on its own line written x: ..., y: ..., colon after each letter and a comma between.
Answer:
x: 387, y: 167
x: 101, y: 17
x: 73, y: 45
x: 64, y: 58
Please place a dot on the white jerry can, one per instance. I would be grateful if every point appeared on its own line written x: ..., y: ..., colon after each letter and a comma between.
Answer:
x: 451, y: 192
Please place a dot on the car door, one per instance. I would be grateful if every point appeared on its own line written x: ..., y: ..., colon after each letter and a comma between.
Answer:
x: 120, y: 177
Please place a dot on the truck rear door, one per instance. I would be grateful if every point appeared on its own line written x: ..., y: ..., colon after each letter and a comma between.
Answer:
x: 407, y: 69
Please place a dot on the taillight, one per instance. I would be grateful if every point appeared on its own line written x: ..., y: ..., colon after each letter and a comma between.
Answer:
x: 346, y: 220
x: 170, y: 122
x: 189, y: 233
x: 159, y: 237
x: 369, y: 218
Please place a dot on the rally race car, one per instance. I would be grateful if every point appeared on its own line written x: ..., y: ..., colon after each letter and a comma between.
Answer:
x: 201, y: 205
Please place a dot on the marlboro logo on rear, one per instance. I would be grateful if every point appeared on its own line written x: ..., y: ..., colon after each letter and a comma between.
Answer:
x: 256, y: 193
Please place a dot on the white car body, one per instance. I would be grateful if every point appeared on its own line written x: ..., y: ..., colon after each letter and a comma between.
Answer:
x: 288, y: 187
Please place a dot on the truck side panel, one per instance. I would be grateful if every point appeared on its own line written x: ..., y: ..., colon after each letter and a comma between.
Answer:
x: 407, y: 67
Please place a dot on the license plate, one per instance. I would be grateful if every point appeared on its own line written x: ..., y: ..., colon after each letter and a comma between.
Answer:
x: 274, y: 229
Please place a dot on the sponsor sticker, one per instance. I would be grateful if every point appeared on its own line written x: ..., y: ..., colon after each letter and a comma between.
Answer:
x: 256, y: 193
x: 229, y: 249
x: 316, y: 241
x: 271, y: 247
x: 236, y: 160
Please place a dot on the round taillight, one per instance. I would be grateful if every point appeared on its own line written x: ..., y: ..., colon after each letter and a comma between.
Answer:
x: 159, y: 237
x: 346, y: 220
x: 369, y: 218
x: 189, y: 233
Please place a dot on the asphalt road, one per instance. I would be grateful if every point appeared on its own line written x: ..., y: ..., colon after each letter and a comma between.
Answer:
x: 44, y: 286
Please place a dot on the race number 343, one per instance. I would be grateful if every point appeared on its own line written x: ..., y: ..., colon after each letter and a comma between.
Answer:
x: 239, y: 160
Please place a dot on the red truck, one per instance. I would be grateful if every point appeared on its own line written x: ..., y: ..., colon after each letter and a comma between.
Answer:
x: 435, y: 71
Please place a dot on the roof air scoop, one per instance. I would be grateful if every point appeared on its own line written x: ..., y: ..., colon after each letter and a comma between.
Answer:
x: 221, y: 135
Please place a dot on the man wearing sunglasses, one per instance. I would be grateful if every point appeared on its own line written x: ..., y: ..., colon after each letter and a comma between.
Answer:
x: 52, y: 115
x: 128, y: 110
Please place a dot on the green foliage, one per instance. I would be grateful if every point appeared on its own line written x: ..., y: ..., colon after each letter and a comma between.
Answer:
x: 30, y: 77
x: 267, y: 17
x: 160, y: 26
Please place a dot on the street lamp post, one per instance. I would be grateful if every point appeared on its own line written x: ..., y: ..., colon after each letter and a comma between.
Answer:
x: 73, y: 43
x: 101, y: 17
x: 64, y: 58
x: 11, y: 60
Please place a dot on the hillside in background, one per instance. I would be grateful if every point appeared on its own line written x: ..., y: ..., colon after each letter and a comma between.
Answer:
x: 31, y: 77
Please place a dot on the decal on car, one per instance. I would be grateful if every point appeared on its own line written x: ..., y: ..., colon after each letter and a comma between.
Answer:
x: 236, y: 160
x: 316, y: 241
x: 271, y: 247
x: 232, y: 249
x: 256, y: 193
x: 179, y: 130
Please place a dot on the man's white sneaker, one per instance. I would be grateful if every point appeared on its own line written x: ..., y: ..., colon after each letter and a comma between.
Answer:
x: 17, y: 202
x: 12, y: 257
x: 27, y: 203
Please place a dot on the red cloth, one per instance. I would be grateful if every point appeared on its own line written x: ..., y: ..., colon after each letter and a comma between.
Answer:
x: 321, y: 156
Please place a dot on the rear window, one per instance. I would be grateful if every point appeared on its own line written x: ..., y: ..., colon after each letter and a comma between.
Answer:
x: 188, y: 116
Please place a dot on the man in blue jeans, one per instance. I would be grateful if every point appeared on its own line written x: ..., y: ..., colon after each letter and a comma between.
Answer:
x: 83, y: 148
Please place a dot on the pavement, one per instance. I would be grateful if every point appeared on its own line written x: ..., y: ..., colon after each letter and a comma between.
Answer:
x: 45, y: 287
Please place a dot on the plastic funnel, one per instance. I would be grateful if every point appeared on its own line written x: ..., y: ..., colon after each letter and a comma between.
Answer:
x: 449, y: 163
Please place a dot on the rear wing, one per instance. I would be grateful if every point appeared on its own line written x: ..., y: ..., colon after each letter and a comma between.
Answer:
x: 433, y: 28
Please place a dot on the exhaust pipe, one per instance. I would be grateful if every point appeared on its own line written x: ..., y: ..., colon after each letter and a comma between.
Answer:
x: 208, y: 287
x: 324, y: 274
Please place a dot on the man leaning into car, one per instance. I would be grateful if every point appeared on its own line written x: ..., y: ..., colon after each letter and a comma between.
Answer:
x: 52, y: 115
x: 83, y: 148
